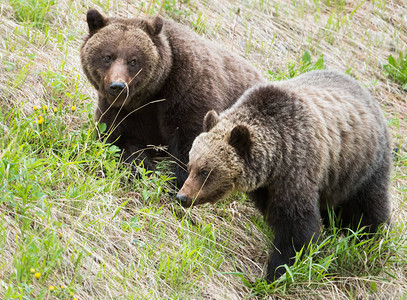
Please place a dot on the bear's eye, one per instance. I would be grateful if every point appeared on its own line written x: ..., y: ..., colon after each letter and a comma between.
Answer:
x: 107, y: 58
x: 132, y: 62
x: 204, y: 173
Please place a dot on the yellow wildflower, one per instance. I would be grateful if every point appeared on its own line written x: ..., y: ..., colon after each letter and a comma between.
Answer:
x: 71, y: 293
x: 55, y: 109
x: 35, y: 107
x: 40, y: 120
x: 44, y: 107
x: 62, y: 286
x: 73, y: 108
x: 51, y: 288
x: 37, y: 275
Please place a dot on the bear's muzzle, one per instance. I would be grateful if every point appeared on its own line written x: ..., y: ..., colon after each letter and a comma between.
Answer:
x: 183, y: 200
x: 116, y: 87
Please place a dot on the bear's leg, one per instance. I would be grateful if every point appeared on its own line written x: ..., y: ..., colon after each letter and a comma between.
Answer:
x: 325, y: 218
x: 331, y: 217
x: 325, y: 211
x: 295, y: 222
x: 370, y: 205
x: 180, y: 168
x: 180, y: 125
x: 181, y: 175
x: 134, y: 153
x: 179, y: 149
x: 260, y: 198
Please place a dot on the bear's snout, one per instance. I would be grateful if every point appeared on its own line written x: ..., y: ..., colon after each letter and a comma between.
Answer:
x: 183, y: 200
x: 116, y: 87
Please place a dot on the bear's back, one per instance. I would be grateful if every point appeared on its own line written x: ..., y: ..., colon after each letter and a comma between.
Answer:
x: 201, y: 67
x: 350, y: 135
x: 322, y: 121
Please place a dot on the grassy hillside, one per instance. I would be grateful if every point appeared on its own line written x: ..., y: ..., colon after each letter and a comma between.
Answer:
x: 75, y: 224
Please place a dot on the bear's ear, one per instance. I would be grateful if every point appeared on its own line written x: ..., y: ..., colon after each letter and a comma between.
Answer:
x: 155, y: 25
x: 95, y: 21
x: 240, y: 139
x: 210, y: 120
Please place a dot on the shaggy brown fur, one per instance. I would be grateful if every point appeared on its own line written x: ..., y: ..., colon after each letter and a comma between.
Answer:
x: 132, y: 62
x: 296, y: 147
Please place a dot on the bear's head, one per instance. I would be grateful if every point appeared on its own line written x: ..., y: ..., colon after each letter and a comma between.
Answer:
x: 126, y: 60
x: 217, y: 161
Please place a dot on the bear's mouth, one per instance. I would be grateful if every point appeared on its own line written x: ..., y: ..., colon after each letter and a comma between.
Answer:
x: 186, y: 201
x: 118, y: 99
x: 190, y: 202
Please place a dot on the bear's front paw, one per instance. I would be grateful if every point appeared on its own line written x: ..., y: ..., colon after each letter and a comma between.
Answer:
x: 276, y: 268
x: 275, y: 274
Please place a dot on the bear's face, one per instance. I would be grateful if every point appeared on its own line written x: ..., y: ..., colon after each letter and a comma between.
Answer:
x: 119, y: 56
x: 216, y: 162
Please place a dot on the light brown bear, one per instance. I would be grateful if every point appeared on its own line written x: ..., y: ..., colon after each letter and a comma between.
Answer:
x: 296, y: 147
x: 156, y: 80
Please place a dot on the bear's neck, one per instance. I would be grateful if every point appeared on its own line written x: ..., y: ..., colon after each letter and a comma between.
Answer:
x: 261, y: 161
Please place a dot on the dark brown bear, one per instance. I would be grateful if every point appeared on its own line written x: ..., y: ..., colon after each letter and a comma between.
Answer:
x: 297, y: 147
x: 156, y: 80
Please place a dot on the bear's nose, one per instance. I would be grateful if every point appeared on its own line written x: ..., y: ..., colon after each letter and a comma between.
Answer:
x: 116, y: 87
x: 183, y: 200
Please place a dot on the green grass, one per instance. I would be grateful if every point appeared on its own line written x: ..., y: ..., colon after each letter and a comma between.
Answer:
x: 396, y: 68
x: 342, y: 253
x: 70, y: 211
x: 294, y: 69
x: 33, y: 13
